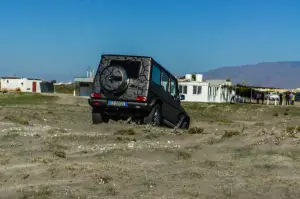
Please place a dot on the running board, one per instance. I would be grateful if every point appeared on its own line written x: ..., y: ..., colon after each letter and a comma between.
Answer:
x: 169, y: 123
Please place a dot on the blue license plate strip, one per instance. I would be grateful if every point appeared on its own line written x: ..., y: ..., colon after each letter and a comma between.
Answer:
x: 117, y: 103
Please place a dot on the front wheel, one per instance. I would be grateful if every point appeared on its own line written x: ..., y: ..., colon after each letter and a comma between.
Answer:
x: 154, y: 118
x: 185, y: 124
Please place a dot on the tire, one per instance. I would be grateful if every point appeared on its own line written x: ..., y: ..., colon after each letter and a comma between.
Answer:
x: 113, y: 79
x: 98, y: 117
x: 185, y: 124
x: 154, y: 118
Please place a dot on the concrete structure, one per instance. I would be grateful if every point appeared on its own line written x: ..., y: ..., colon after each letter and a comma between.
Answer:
x: 204, y: 91
x: 20, y: 84
x: 84, y: 85
x: 47, y: 87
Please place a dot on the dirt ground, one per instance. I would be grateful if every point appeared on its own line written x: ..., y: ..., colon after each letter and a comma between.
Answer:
x: 50, y: 149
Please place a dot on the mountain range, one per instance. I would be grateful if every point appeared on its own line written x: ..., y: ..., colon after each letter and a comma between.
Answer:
x: 283, y: 74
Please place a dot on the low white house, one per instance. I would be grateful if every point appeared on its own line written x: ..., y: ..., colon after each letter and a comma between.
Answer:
x: 20, y: 84
x: 198, y: 90
x: 84, y: 85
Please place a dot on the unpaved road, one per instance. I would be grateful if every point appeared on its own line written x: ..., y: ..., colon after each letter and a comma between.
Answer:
x: 50, y: 149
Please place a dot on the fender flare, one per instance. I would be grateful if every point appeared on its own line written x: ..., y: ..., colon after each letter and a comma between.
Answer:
x: 185, y: 116
x: 188, y: 118
x: 155, y: 101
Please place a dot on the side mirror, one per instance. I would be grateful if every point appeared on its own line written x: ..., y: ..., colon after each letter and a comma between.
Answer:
x: 182, y: 97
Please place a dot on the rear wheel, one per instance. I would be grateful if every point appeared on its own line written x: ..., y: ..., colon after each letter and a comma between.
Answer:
x: 154, y: 118
x: 99, y: 117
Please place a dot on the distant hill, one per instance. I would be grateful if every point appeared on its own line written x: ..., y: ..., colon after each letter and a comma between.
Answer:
x: 285, y: 74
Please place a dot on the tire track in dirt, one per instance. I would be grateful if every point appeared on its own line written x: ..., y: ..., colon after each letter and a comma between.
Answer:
x: 18, y: 166
x: 61, y: 182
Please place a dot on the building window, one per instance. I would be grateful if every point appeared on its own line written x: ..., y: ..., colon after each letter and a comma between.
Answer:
x: 197, y: 90
x: 156, y: 75
x: 84, y: 84
x: 183, y: 89
x: 194, y: 90
x: 7, y: 81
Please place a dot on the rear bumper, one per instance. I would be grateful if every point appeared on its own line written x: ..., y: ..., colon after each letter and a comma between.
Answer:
x: 133, y: 108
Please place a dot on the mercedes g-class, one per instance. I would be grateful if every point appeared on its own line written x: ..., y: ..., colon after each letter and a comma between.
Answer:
x: 136, y: 87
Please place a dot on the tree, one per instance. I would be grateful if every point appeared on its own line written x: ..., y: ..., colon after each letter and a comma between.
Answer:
x: 193, y: 77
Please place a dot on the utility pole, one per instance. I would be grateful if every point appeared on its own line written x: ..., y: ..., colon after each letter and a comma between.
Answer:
x: 250, y: 94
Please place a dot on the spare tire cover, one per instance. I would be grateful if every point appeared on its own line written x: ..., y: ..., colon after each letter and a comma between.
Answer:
x: 113, y: 79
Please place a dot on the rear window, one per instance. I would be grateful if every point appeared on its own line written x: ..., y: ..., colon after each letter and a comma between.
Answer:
x: 132, y: 68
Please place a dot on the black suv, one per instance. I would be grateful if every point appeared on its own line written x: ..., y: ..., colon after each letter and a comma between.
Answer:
x: 136, y: 87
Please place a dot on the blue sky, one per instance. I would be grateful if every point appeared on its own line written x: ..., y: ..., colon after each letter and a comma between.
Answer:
x: 59, y: 39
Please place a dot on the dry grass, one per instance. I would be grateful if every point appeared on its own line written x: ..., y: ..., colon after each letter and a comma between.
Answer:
x: 127, y: 131
x: 230, y: 133
x: 61, y: 154
x: 17, y: 119
x: 42, y: 192
x: 230, y: 151
x: 195, y: 130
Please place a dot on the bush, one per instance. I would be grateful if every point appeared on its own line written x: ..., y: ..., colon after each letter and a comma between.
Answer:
x: 64, y: 88
x: 129, y: 131
x: 229, y: 134
x: 195, y: 130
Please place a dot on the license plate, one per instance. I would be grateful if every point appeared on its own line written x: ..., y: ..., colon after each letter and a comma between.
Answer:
x: 117, y: 103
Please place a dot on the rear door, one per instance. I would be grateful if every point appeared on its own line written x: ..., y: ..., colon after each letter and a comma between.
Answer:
x: 132, y: 68
x: 168, y: 108
x: 136, y: 69
x: 174, y: 100
x: 159, y: 89
x: 33, y: 87
x: 164, y: 87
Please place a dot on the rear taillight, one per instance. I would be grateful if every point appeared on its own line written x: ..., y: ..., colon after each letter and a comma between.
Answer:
x: 96, y: 95
x: 141, y: 98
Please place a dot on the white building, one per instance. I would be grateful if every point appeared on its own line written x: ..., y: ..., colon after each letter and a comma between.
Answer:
x: 20, y: 84
x: 84, y: 85
x: 198, y: 90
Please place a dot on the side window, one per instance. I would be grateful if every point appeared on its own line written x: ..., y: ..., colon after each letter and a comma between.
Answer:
x: 165, y: 80
x: 173, y: 86
x: 156, y: 75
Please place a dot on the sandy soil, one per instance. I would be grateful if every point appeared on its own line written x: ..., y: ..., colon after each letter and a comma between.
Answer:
x: 50, y: 149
